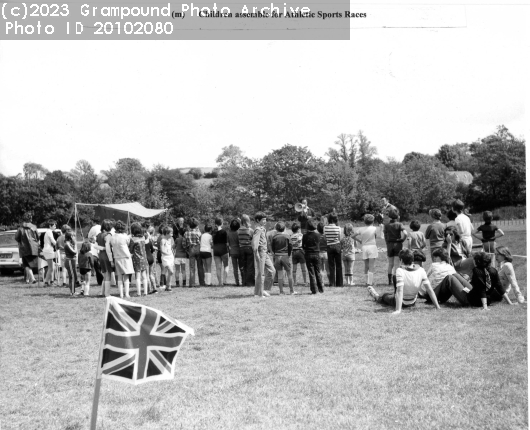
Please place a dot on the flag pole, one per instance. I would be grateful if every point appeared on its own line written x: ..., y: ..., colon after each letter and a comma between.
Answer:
x: 95, y: 403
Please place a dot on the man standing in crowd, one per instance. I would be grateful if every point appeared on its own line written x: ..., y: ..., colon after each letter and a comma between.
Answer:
x: 463, y: 223
x: 28, y: 247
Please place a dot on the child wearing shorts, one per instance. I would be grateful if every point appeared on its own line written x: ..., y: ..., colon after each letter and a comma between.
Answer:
x: 323, y: 254
x: 490, y: 233
x: 347, y: 246
x: 85, y: 267
x: 416, y: 242
x: 206, y: 253
x: 181, y: 257
x: 298, y: 256
x: 395, y: 234
x: 167, y: 258
x: 369, y: 252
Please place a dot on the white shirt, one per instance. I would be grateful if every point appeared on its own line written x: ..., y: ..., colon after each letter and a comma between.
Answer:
x: 437, y: 273
x: 206, y: 242
x: 94, y: 231
x: 368, y: 235
x: 49, y: 241
x: 411, y: 280
x: 463, y: 223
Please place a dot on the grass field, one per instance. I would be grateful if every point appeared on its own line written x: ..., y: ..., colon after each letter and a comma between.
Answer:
x: 335, y: 360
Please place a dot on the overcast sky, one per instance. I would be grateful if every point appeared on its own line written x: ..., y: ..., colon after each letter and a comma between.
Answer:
x: 178, y: 103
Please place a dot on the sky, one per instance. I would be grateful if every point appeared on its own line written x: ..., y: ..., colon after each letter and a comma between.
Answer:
x: 178, y: 103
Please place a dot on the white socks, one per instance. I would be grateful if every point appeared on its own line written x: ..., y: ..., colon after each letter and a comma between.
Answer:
x: 126, y: 284
x: 369, y: 278
x: 112, y: 278
x: 208, y: 278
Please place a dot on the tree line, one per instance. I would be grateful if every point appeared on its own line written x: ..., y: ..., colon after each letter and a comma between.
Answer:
x: 349, y: 178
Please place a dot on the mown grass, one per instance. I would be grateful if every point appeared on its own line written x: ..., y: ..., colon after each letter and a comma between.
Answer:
x: 335, y: 360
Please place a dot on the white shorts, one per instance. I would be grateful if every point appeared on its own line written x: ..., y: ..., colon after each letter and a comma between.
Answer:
x: 179, y: 261
x: 369, y: 251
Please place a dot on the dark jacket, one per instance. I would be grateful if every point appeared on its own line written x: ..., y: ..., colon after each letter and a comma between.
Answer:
x: 311, y: 242
x: 28, y: 240
x: 480, y: 290
x: 280, y: 244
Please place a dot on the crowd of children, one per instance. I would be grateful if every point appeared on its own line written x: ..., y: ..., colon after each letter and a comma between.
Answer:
x: 260, y: 258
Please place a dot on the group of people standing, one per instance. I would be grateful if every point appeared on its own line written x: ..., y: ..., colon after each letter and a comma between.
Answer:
x: 261, y: 258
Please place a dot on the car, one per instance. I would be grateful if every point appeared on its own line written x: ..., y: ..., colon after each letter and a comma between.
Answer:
x: 9, y: 257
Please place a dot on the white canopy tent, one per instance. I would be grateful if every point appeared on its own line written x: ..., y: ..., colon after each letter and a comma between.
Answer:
x: 118, y: 211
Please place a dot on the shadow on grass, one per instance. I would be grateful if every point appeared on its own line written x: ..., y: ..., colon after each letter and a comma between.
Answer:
x: 230, y: 297
x: 66, y: 295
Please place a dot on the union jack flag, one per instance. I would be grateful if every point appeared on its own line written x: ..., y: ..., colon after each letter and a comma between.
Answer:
x: 140, y: 344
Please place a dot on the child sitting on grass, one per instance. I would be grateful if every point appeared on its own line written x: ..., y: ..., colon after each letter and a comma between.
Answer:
x: 84, y: 261
x: 409, y: 279
x: 506, y: 272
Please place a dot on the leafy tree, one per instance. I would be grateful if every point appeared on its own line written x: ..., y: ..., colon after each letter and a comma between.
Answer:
x: 456, y: 157
x: 238, y: 186
x: 87, y: 183
x: 176, y: 188
x: 410, y: 156
x: 34, y: 171
x: 290, y: 174
x: 195, y: 172
x: 500, y: 179
x: 127, y: 180
x: 346, y: 152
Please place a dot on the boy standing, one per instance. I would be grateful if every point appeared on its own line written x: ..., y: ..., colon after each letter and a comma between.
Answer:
x: 298, y: 252
x: 192, y: 244
x: 245, y: 234
x: 311, y: 247
x: 281, y: 249
x: 463, y: 223
x: 435, y: 231
x: 262, y: 260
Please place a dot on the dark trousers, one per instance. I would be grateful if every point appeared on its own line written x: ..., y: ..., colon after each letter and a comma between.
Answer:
x: 452, y: 285
x: 237, y: 265
x: 247, y: 263
x: 195, y: 261
x: 312, y: 262
x: 71, y: 267
x: 97, y: 269
x: 335, y: 265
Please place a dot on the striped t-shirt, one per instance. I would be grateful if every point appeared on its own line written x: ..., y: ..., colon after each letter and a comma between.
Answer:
x: 332, y: 233
x: 245, y: 236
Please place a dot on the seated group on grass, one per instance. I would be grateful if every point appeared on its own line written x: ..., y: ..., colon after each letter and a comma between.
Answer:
x: 442, y: 281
